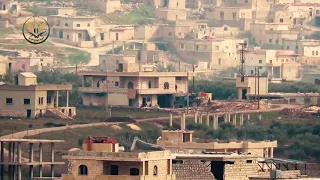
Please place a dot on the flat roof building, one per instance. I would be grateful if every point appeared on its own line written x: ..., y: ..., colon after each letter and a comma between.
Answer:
x: 28, y: 99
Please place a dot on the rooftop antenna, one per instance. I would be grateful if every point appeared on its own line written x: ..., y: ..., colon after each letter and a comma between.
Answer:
x: 242, y: 59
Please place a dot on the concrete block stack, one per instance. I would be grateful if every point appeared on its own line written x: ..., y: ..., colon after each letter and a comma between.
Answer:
x: 192, y: 170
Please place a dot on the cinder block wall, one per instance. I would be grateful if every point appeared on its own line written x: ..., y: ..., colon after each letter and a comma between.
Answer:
x: 192, y: 170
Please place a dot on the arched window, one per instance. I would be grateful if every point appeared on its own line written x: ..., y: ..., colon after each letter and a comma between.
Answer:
x: 83, y: 170
x: 166, y: 85
x: 149, y: 84
x: 98, y: 84
x: 155, y: 170
x: 130, y: 85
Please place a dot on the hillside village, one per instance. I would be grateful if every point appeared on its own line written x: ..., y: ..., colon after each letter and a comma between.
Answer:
x: 160, y: 90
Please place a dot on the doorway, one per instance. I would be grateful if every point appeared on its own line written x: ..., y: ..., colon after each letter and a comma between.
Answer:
x: 28, y: 113
x: 117, y: 36
x: 10, y: 67
x: 134, y: 172
x: 61, y: 34
x: 70, y: 112
x: 244, y: 93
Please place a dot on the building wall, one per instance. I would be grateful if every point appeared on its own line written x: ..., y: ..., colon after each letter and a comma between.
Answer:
x: 311, y: 51
x: 118, y: 99
x: 95, y: 168
x: 125, y: 34
x: 241, y: 170
x: 171, y: 14
x: 192, y: 170
x: 93, y: 99
x: 17, y: 108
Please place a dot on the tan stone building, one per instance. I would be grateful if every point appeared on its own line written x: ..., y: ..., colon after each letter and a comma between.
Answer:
x: 130, y: 86
x: 179, y: 139
x: 102, y: 160
x: 248, y: 85
x: 28, y: 99
x: 61, y: 11
x: 8, y: 7
x: 221, y: 53
x: 28, y: 64
x: 104, y: 6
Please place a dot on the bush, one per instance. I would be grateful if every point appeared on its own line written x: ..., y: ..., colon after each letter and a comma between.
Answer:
x: 50, y: 124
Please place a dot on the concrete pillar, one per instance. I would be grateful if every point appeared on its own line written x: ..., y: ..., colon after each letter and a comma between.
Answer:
x: 234, y: 120
x: 260, y: 116
x: 31, y: 171
x: 13, y: 160
x: 40, y: 158
x: 40, y: 170
x: 248, y: 118
x: 2, y: 160
x: 112, y: 47
x: 31, y: 152
x: 183, y: 127
x: 271, y: 152
x: 52, y: 152
x: 52, y: 170
x: 195, y: 117
x: 170, y: 122
x: 123, y: 46
x: 241, y: 119
x: 226, y: 117
x: 9, y: 160
x: 215, y: 121
x: 19, y: 152
x: 57, y: 98
x: 200, y: 119
x: 208, y: 119
x: 67, y: 99
x: 19, y: 172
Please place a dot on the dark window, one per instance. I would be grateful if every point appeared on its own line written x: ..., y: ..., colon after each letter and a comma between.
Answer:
x: 114, y: 170
x: 66, y: 24
x: 88, y: 25
x: 221, y: 15
x: 134, y: 172
x: 170, y: 33
x: 270, y: 40
x: 101, y: 36
x: 79, y: 35
x: 49, y: 100
x: 281, y: 20
x: 155, y: 170
x: 116, y: 83
x: 225, y: 28
x: 78, y: 25
x: 251, y: 71
x: 260, y: 61
x: 9, y: 100
x: 246, y: 1
x: 178, y: 78
x: 26, y: 101
x: 130, y: 85
x: 249, y: 161
x: 166, y: 85
x: 234, y: 15
x: 83, y: 170
x: 177, y: 161
x: 149, y: 85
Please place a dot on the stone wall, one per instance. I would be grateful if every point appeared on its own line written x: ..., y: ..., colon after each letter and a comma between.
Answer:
x: 241, y: 169
x: 95, y: 168
x: 192, y: 170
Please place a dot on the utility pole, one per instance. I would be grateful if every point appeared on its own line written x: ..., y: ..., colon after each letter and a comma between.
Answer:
x: 255, y: 83
x: 242, y: 60
x: 258, y: 88
x: 76, y: 69
x: 179, y: 65
x: 187, y: 92
x: 193, y: 79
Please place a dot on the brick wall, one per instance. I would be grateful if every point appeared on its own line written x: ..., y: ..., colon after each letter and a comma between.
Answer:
x: 241, y: 170
x: 192, y: 170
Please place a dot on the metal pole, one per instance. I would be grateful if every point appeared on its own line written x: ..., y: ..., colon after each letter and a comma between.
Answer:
x: 179, y: 66
x: 187, y: 93
x: 193, y: 79
x: 255, y: 83
x: 258, y: 88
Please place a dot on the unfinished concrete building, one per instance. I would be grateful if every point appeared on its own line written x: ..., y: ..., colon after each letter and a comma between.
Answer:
x: 15, y: 163
x: 132, y: 86
x: 27, y: 99
x: 100, y: 159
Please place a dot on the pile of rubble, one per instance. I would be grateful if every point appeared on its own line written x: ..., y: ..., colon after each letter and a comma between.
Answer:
x: 234, y: 106
x: 312, y: 108
x: 291, y: 112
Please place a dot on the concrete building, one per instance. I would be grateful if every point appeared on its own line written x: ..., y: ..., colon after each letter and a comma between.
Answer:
x: 221, y: 53
x: 279, y: 65
x: 100, y: 159
x: 109, y: 6
x: 28, y: 64
x: 15, y: 163
x: 171, y: 14
x: 272, y: 34
x: 104, y: 161
x: 85, y: 31
x: 8, y: 7
x: 248, y: 85
x: 130, y: 86
x: 61, y: 11
x: 181, y: 139
x: 27, y: 99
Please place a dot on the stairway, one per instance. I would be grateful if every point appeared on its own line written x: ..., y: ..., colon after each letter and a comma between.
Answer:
x: 52, y: 112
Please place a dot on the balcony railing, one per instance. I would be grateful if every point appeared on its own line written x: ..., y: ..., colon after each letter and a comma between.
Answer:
x: 102, y: 90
